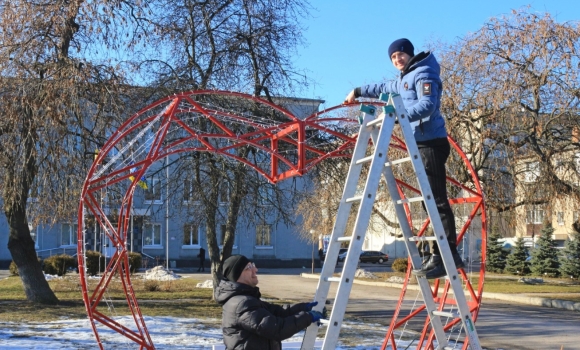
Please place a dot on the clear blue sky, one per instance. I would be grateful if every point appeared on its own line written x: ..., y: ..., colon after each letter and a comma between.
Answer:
x: 348, y: 39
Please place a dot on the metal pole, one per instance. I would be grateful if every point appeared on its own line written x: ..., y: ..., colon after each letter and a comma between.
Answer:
x: 167, y: 212
x: 132, y: 214
x: 312, y: 233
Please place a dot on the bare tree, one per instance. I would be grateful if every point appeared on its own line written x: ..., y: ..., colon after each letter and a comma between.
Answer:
x: 56, y: 106
x: 511, y: 96
x: 240, y: 45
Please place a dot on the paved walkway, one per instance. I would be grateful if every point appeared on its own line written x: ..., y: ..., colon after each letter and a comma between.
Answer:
x: 527, y: 298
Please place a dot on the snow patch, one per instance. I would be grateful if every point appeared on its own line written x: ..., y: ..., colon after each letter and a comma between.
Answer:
x: 205, y: 284
x: 159, y: 273
x: 361, y: 273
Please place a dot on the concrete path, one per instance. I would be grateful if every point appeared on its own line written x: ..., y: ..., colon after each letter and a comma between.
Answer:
x: 502, y: 324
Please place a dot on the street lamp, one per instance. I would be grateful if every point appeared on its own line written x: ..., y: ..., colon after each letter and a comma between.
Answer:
x: 312, y: 236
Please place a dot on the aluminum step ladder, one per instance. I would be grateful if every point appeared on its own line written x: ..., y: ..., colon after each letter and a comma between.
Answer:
x: 379, y: 130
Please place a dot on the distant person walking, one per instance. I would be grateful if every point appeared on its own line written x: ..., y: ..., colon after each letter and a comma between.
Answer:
x: 201, y: 257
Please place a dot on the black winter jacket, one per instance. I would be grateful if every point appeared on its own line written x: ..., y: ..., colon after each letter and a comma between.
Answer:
x: 252, y: 324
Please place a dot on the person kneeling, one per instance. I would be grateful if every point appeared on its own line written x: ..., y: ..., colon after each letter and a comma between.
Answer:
x: 251, y: 323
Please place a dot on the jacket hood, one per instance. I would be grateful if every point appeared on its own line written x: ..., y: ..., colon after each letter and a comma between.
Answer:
x: 424, y: 59
x: 227, y: 289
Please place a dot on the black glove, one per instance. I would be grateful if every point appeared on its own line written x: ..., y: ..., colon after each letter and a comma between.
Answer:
x: 316, y: 316
x: 309, y: 306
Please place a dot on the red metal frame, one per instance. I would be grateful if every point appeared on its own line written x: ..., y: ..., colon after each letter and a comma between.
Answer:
x: 169, y: 114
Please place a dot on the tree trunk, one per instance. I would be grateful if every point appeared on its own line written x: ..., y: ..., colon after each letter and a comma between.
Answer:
x: 20, y: 243
x: 21, y: 247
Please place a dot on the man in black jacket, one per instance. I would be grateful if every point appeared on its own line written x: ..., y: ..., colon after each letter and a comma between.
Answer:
x: 252, y: 324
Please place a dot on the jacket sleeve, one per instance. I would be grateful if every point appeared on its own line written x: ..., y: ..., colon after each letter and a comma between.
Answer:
x: 374, y: 90
x: 285, y: 310
x: 255, y: 318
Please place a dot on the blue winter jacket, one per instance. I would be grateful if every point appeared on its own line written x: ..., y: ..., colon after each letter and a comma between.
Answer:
x: 420, y: 88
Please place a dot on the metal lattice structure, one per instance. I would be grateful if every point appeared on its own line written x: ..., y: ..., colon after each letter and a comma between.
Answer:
x: 223, y: 123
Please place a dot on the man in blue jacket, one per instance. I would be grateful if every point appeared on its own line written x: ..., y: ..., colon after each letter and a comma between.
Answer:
x: 420, y: 87
x: 249, y: 323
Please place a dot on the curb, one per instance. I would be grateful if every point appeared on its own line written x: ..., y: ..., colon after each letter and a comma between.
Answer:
x: 518, y: 298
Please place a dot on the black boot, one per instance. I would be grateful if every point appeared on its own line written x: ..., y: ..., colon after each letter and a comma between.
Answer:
x: 434, y: 268
x: 433, y: 262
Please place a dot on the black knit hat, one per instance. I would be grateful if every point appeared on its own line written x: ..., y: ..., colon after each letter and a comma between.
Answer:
x: 233, y: 267
x: 402, y: 45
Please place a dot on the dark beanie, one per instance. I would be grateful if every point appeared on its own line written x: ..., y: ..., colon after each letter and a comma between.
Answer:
x: 402, y: 45
x: 233, y: 267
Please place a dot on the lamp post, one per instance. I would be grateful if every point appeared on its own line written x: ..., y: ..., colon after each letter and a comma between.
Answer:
x: 312, y: 234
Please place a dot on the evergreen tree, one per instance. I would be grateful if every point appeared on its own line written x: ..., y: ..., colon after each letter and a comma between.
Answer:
x: 570, y: 258
x: 545, y: 256
x: 496, y: 254
x: 516, y: 261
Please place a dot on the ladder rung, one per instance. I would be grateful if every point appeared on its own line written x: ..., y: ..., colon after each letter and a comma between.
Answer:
x: 422, y: 238
x: 446, y: 314
x: 354, y: 199
x: 324, y: 322
x: 333, y: 279
x: 398, y: 161
x: 344, y: 239
x: 409, y: 200
x: 364, y: 160
x: 376, y: 121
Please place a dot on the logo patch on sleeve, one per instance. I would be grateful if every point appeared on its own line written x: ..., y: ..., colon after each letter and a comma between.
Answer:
x: 426, y: 89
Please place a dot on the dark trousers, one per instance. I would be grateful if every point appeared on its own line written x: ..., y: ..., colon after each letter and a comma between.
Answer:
x: 434, y: 154
x: 201, y: 265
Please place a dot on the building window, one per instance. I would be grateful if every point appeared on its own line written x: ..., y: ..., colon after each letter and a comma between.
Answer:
x: 560, y: 216
x: 266, y: 194
x: 532, y: 171
x: 263, y: 235
x: 153, y: 191
x: 535, y: 216
x: 224, y: 195
x: 189, y: 193
x: 187, y: 187
x: 151, y: 234
x: 190, y: 235
x: 68, y: 234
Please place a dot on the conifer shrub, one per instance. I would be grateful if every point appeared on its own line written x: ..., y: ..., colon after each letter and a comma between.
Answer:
x: 13, y: 269
x: 570, y: 255
x: 135, y: 260
x: 544, y: 260
x: 496, y: 254
x: 58, y: 264
x: 94, y: 262
x: 400, y: 264
x: 516, y: 263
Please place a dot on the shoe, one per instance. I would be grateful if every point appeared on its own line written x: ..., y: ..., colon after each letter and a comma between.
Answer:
x: 434, y: 267
x: 433, y: 262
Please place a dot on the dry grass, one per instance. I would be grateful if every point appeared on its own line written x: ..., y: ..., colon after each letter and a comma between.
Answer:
x: 179, y: 298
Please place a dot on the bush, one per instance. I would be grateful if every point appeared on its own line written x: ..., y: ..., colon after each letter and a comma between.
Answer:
x: 135, y: 261
x: 58, y: 264
x: 400, y: 265
x: 13, y: 269
x: 151, y: 285
x: 94, y: 262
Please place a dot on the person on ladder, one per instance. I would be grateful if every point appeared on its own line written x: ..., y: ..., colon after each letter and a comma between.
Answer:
x: 420, y: 87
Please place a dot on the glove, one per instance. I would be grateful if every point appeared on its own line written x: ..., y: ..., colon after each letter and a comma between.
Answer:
x: 309, y: 306
x: 316, y: 316
x: 324, y: 312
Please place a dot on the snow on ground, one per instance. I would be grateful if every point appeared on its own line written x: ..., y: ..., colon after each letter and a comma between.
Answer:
x: 166, y: 332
